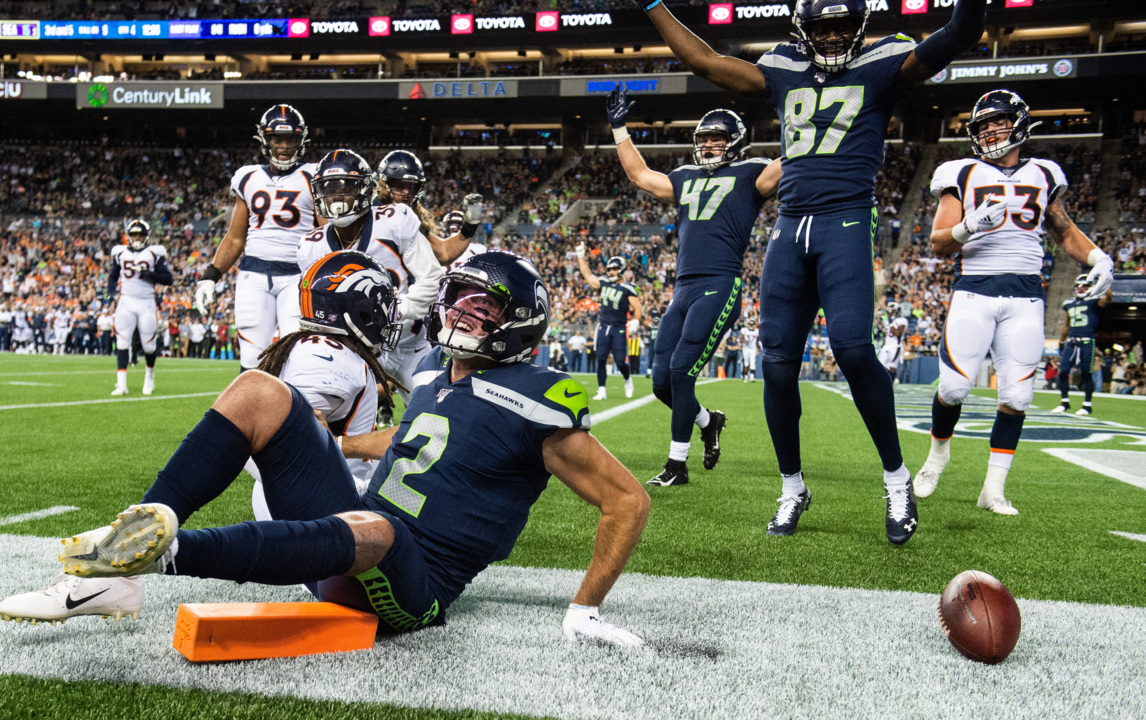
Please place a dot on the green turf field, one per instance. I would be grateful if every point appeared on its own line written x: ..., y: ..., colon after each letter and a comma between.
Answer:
x: 61, y: 449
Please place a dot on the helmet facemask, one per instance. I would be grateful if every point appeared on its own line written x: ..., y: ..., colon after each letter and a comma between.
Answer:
x: 279, y: 123
x: 342, y: 199
x: 469, y: 314
x: 138, y: 234
x: 831, y: 41
x: 709, y: 148
x: 994, y: 144
x: 1082, y: 286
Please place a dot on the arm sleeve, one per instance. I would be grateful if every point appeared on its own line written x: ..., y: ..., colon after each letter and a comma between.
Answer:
x: 419, y: 259
x: 958, y: 36
x: 113, y: 277
x: 161, y: 275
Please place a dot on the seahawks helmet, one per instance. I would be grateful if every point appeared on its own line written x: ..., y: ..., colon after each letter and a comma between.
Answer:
x: 1082, y: 285
x: 722, y: 122
x: 343, y: 186
x: 616, y: 264
x: 348, y: 293
x: 403, y: 166
x: 138, y: 234
x: 999, y: 103
x: 834, y: 55
x: 282, y: 120
x: 493, y: 306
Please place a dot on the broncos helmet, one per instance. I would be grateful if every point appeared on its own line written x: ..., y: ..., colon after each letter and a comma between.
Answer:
x: 834, y: 55
x: 1082, y: 285
x: 282, y: 120
x: 499, y: 294
x: 348, y: 293
x: 403, y: 166
x: 343, y: 175
x: 615, y: 264
x: 723, y: 122
x: 999, y: 103
x: 138, y: 234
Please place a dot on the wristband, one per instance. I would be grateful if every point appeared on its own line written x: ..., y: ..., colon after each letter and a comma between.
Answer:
x: 211, y: 273
x: 1096, y: 256
x: 653, y: 5
x: 620, y: 134
x: 469, y: 230
x: 960, y: 233
x: 338, y: 442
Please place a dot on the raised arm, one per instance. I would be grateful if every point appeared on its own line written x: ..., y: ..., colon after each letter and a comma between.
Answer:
x: 449, y: 249
x: 583, y: 266
x: 732, y: 74
x: 1078, y: 246
x: 577, y: 459
x: 948, y: 42
x: 651, y: 181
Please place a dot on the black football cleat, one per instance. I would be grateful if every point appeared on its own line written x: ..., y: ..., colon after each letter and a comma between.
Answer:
x: 675, y: 473
x: 902, y: 515
x: 791, y: 507
x: 711, y: 437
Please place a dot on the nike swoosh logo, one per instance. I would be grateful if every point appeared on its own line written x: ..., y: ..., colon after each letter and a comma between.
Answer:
x: 857, y: 222
x: 72, y: 604
x: 328, y: 358
x: 573, y: 395
x: 711, y: 292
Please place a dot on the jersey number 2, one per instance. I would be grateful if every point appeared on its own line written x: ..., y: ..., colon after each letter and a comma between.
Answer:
x: 802, y: 103
x: 437, y: 429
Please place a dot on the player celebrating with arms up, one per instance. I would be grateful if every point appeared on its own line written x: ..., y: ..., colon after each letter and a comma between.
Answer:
x: 274, y: 209
x: 718, y: 200
x: 992, y: 211
x: 618, y: 299
x: 834, y: 97
x: 136, y: 268
x: 1077, y: 342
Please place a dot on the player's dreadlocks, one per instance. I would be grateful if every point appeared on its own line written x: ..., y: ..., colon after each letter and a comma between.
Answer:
x: 429, y: 225
x: 273, y: 358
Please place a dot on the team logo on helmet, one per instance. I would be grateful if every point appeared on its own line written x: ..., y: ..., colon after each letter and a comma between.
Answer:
x: 348, y: 293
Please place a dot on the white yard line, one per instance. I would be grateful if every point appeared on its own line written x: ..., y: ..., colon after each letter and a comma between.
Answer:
x: 108, y: 400
x: 1092, y: 460
x: 1129, y: 536
x: 46, y: 512
x: 110, y: 373
x: 31, y: 384
x: 613, y: 412
x: 716, y: 649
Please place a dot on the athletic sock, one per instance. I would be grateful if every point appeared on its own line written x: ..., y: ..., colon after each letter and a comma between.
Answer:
x: 943, y: 419
x: 1005, y: 432
x: 149, y: 360
x: 678, y: 451
x: 276, y: 552
x: 896, y: 479
x: 794, y: 483
x: 684, y: 405
x: 702, y: 418
x: 206, y: 463
x: 997, y: 468
x: 121, y: 360
x: 782, y: 412
x: 121, y: 378
x: 625, y: 371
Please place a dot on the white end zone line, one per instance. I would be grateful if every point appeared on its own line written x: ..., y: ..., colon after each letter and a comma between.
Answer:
x: 1129, y: 536
x: 1080, y: 458
x: 36, y: 515
x: 109, y: 400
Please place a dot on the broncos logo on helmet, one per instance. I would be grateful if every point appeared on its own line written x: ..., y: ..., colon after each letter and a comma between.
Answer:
x: 402, y: 173
x: 348, y: 293
x: 343, y: 186
x: 138, y: 234
x: 282, y: 120
x: 494, y: 306
x: 720, y: 123
x: 994, y: 144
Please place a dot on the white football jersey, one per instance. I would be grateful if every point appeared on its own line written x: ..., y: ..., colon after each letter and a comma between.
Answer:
x: 281, y: 209
x: 336, y: 381
x: 471, y: 250
x: 391, y: 235
x: 1015, y: 247
x: 131, y: 263
x: 749, y: 337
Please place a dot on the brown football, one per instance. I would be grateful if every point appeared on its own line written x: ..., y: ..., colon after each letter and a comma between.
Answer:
x: 980, y: 617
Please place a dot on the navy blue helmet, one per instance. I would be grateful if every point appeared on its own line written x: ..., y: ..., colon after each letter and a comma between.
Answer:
x: 615, y: 264
x: 720, y: 122
x: 830, y: 55
x: 494, y: 306
x: 138, y: 234
x: 995, y: 104
x: 401, y: 167
x: 348, y: 293
x: 282, y: 120
x: 343, y: 186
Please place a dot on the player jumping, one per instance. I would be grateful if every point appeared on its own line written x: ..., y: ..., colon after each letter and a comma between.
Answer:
x: 136, y: 269
x: 993, y: 210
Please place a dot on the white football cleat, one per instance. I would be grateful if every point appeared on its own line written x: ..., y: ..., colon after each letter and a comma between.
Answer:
x: 998, y: 505
x: 1061, y: 408
x: 140, y: 541
x: 119, y: 391
x: 67, y: 597
x: 600, y: 394
x: 629, y: 387
x: 1083, y: 411
x: 148, y: 386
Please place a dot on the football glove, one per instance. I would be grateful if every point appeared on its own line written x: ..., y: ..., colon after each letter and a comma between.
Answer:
x: 618, y: 106
x: 634, y: 326
x: 1101, y: 276
x: 147, y: 276
x: 472, y: 208
x: 204, y: 296
x: 583, y: 621
x: 988, y: 216
x: 580, y: 249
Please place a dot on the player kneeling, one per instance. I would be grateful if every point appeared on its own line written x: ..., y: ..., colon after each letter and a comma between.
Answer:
x: 475, y: 449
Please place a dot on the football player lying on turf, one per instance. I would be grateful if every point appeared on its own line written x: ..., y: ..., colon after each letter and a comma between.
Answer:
x: 442, y: 505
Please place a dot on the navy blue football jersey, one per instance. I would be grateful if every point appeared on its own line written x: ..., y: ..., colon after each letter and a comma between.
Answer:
x: 466, y: 463
x: 1082, y: 317
x: 715, y: 214
x: 615, y: 301
x: 833, y: 123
